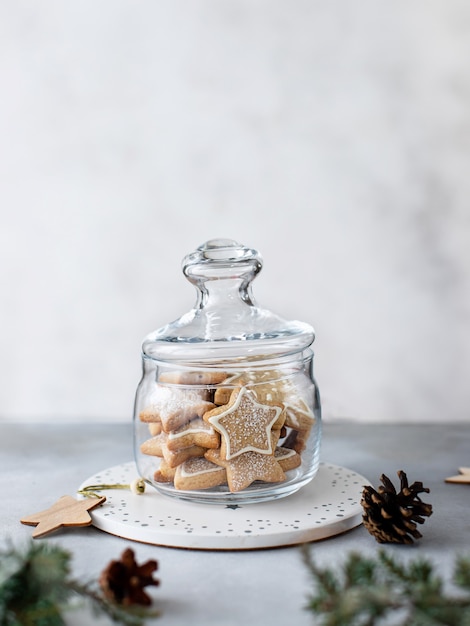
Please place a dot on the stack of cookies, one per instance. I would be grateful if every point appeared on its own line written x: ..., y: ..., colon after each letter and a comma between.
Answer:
x: 253, y: 427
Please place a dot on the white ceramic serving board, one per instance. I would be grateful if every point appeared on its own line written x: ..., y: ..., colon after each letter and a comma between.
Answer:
x: 327, y: 506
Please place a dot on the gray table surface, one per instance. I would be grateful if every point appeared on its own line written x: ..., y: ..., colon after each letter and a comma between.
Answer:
x: 41, y: 462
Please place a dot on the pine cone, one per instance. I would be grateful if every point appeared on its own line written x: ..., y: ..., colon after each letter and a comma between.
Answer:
x: 391, y: 517
x: 123, y: 581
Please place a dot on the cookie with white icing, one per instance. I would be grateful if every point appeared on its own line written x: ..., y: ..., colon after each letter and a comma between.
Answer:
x: 248, y: 467
x: 195, y: 432
x: 199, y: 473
x: 287, y: 458
x: 245, y: 425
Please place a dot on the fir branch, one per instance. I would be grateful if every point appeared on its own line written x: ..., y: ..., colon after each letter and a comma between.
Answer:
x: 462, y: 573
x: 380, y: 590
x: 129, y: 616
x: 36, y: 587
x: 32, y: 585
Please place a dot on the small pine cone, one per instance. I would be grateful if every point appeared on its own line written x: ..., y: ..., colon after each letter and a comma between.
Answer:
x: 391, y: 517
x: 123, y: 581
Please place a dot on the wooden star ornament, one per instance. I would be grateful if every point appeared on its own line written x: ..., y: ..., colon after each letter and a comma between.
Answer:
x: 65, y: 512
x: 462, y: 477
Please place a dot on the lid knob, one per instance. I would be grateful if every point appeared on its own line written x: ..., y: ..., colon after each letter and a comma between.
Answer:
x: 222, y: 258
x: 225, y: 323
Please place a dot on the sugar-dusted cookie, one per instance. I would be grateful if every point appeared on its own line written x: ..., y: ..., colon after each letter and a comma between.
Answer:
x: 223, y: 392
x: 155, y: 445
x: 245, y: 425
x: 176, y: 457
x: 148, y: 415
x: 300, y: 418
x: 246, y: 468
x: 195, y: 432
x: 222, y: 395
x: 287, y: 458
x: 268, y: 393
x: 175, y: 406
x: 164, y: 473
x: 193, y: 378
x: 263, y: 384
x: 155, y: 428
x: 199, y: 473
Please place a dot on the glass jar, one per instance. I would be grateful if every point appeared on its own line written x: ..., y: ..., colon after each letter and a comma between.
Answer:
x: 227, y: 410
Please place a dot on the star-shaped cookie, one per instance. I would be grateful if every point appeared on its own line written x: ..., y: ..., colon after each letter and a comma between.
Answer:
x: 157, y: 446
x: 173, y: 407
x: 245, y: 425
x: 65, y: 512
x: 247, y: 467
x: 197, y: 432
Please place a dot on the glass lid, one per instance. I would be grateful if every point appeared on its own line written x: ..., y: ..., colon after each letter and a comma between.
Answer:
x: 225, y: 323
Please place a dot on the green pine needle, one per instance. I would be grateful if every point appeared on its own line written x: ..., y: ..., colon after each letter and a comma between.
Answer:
x: 380, y: 590
x: 35, y: 589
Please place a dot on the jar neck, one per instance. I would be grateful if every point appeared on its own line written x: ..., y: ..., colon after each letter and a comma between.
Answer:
x: 222, y: 293
x: 226, y: 324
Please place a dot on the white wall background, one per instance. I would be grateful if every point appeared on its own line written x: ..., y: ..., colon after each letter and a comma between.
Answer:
x: 332, y: 135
